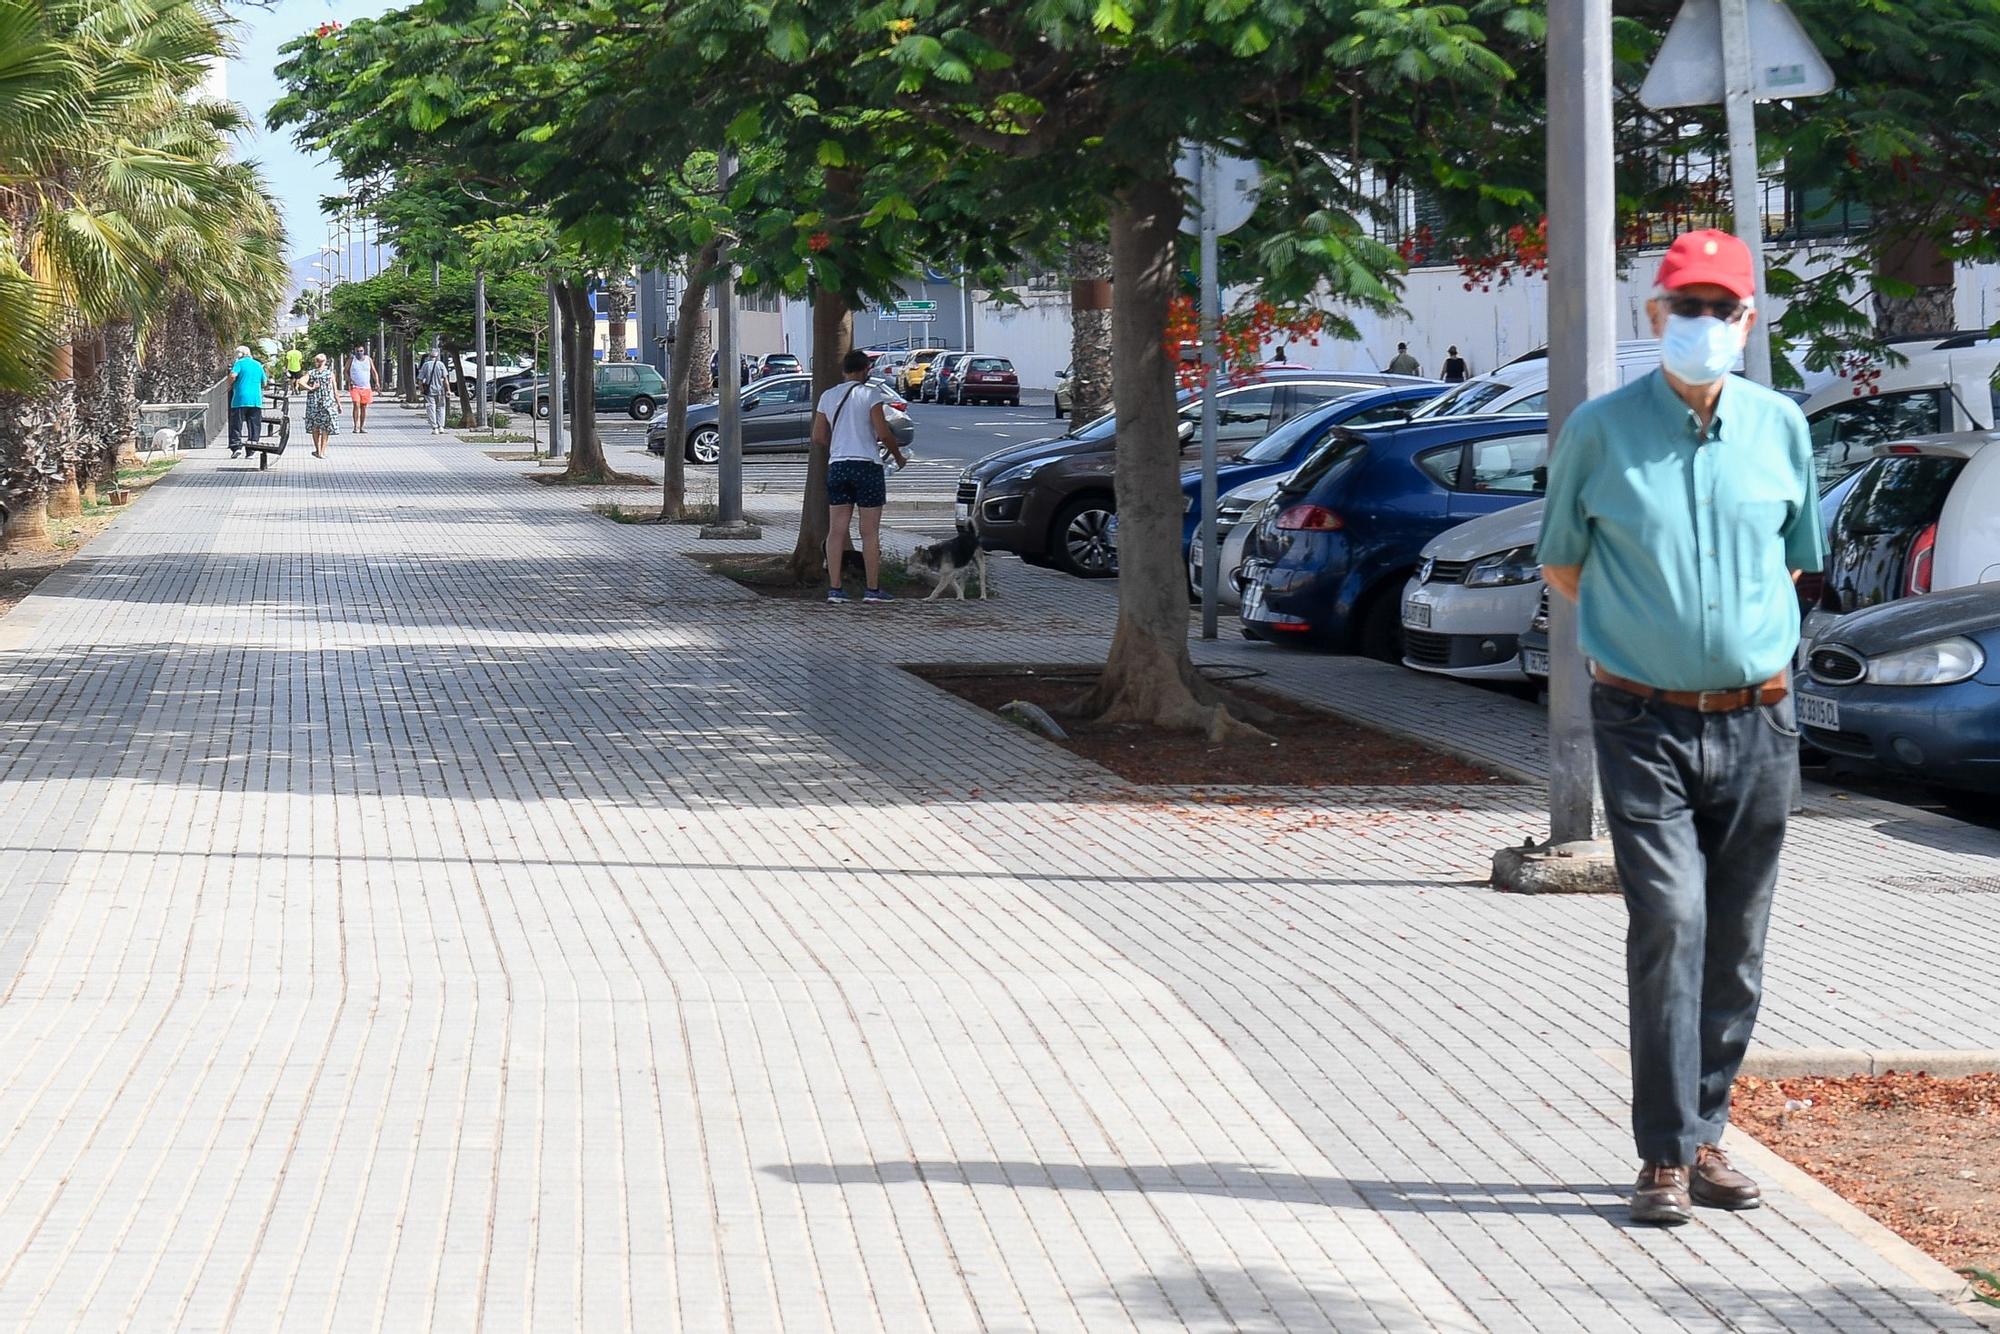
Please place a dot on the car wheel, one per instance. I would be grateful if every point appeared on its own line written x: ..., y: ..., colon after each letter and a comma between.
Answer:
x: 1013, y: 402
x: 1059, y: 411
x: 1379, y: 634
x: 642, y: 407
x: 541, y: 407
x: 1081, y: 538
x: 704, y: 445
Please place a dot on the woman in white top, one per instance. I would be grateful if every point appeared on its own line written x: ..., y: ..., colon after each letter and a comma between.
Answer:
x: 850, y: 423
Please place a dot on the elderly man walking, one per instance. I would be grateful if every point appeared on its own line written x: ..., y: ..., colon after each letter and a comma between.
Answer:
x: 1681, y: 508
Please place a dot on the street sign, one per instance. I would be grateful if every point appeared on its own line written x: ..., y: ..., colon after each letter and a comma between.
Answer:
x: 912, y: 317
x: 916, y: 307
x: 1688, y: 73
x: 1236, y: 182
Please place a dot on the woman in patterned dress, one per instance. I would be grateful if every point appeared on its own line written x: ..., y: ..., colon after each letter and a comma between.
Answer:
x: 322, y: 409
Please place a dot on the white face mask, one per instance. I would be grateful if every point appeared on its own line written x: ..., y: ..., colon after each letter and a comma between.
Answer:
x: 1700, y: 349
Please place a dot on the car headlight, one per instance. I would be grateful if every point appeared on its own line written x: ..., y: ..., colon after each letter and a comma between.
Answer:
x: 1940, y: 664
x: 1504, y: 569
x: 1021, y: 472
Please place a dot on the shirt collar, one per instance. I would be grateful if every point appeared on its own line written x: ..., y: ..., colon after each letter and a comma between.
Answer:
x: 1668, y: 400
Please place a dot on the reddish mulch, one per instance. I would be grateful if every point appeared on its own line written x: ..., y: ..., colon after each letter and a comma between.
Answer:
x: 1307, y: 747
x: 771, y: 575
x: 1917, y: 1153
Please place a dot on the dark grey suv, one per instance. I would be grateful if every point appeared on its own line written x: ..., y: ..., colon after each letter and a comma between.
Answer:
x: 1050, y: 501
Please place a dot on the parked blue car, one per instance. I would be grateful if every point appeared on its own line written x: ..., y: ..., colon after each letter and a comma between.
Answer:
x: 1911, y: 687
x: 1329, y: 559
x: 1291, y: 444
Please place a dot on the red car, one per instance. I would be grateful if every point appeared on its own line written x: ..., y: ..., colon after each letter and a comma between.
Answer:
x: 987, y: 379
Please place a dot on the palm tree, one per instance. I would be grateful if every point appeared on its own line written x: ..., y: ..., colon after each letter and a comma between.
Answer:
x: 119, y: 197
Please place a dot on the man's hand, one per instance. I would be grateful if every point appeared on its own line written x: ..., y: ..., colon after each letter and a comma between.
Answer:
x: 1565, y: 579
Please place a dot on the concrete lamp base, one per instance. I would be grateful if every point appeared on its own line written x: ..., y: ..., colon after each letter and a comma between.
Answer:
x: 740, y: 531
x: 1560, y: 868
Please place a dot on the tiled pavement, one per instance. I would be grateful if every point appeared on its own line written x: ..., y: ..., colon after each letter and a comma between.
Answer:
x: 425, y: 904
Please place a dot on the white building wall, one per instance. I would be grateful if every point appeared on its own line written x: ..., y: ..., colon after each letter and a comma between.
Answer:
x: 1489, y: 328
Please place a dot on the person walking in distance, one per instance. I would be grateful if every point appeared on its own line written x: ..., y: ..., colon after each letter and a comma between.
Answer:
x: 322, y: 409
x: 1403, y: 363
x: 1455, y: 368
x: 850, y: 423
x: 1681, y: 509
x: 360, y: 386
x: 246, y: 401
x: 434, y: 382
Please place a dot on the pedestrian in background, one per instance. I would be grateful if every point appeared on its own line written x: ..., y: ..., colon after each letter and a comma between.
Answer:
x: 1681, y: 509
x: 246, y: 401
x: 1455, y: 368
x: 849, y: 422
x: 434, y: 382
x: 322, y: 408
x: 1403, y: 363
x: 360, y: 386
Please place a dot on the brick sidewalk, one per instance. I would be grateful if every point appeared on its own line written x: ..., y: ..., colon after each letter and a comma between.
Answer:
x: 427, y: 904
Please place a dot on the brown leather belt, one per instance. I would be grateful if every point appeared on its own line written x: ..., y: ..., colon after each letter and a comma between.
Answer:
x: 1701, y: 701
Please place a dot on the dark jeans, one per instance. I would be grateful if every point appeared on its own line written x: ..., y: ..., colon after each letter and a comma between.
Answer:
x: 245, y: 424
x: 1697, y: 805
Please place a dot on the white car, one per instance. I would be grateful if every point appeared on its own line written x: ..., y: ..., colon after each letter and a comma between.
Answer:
x: 1943, y: 384
x: 1236, y: 516
x: 1473, y: 595
x: 1922, y: 517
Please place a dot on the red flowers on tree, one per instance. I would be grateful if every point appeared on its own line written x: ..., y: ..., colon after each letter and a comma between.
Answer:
x: 1240, y: 339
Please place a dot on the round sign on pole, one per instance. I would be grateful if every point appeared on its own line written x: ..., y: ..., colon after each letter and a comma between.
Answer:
x: 1236, y: 185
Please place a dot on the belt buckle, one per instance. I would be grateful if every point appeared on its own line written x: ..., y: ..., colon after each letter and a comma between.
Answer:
x: 1702, y: 697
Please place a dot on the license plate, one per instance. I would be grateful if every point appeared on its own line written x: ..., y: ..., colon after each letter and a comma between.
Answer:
x: 1417, y: 615
x: 1534, y: 662
x: 1253, y: 602
x: 1819, y: 711
x: 962, y: 512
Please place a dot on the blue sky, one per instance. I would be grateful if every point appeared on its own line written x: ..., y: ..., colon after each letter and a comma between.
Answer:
x: 297, y: 179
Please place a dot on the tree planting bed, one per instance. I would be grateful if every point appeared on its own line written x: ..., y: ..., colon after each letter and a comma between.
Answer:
x: 1304, y: 746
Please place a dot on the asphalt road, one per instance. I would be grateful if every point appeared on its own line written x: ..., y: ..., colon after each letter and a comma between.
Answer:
x: 944, y: 432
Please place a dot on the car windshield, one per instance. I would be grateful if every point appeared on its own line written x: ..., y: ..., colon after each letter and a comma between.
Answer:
x: 1469, y: 398
x: 1107, y: 426
x: 1278, y: 445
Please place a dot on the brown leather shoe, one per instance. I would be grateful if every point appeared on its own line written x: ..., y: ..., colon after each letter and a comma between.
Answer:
x: 1717, y: 1185
x: 1661, y: 1196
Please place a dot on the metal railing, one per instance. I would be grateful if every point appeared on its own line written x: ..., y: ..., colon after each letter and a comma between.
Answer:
x: 195, y: 425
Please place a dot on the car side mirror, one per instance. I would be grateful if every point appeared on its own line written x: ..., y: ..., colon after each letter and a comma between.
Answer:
x: 1542, y: 478
x: 1185, y: 430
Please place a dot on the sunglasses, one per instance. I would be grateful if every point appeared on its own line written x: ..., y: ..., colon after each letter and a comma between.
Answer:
x: 1727, y: 309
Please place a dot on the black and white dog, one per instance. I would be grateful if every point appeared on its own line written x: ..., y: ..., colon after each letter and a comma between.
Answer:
x: 951, y: 564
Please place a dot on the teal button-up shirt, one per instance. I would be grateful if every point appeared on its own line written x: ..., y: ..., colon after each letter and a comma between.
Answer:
x: 1687, y: 540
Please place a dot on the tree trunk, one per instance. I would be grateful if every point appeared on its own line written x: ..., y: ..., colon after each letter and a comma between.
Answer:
x: 63, y: 448
x: 180, y: 355
x: 833, y: 335
x: 1090, y: 330
x: 586, y: 447
x: 31, y: 432
x: 689, y: 364
x: 121, y: 381
x: 1916, y: 259
x: 406, y: 367
x: 616, y: 306
x: 1149, y: 676
x: 93, y: 412
x: 454, y: 357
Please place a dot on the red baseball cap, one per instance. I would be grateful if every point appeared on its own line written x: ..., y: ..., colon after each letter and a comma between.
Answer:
x: 1708, y: 256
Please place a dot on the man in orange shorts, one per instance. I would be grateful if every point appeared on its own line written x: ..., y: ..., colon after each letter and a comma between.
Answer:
x: 361, y: 387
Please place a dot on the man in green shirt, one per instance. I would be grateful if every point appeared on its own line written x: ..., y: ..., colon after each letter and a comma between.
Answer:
x: 1681, y: 508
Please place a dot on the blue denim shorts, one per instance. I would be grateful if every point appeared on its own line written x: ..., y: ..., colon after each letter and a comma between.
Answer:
x: 856, y: 482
